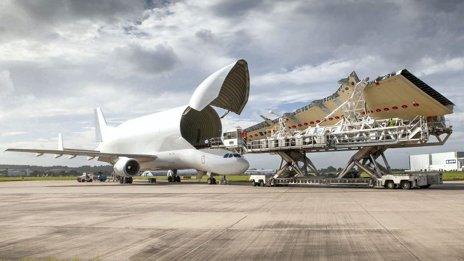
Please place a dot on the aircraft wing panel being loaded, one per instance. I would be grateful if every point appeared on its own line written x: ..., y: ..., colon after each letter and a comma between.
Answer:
x: 395, y: 95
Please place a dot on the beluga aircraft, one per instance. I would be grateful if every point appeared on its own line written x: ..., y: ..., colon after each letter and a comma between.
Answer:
x: 172, y: 139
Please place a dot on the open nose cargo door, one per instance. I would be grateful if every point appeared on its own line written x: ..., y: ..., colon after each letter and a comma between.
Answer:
x: 227, y: 88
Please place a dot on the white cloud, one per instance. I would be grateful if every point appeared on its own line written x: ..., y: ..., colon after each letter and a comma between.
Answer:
x: 432, y: 66
x: 315, y: 73
x: 6, y: 83
x: 12, y: 133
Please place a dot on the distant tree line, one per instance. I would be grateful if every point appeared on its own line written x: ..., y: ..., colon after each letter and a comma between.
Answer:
x: 55, y: 170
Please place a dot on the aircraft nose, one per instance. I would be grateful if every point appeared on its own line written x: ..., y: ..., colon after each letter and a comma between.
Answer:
x: 244, y: 165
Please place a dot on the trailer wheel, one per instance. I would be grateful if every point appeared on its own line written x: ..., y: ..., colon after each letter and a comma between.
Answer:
x: 406, y: 185
x: 390, y: 184
x: 253, y: 182
x: 261, y: 183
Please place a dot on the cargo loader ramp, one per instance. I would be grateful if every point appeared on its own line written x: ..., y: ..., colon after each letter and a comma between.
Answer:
x: 356, y: 131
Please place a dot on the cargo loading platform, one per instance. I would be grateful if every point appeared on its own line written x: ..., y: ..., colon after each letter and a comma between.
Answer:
x: 353, y: 125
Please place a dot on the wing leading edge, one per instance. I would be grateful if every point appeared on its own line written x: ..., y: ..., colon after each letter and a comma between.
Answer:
x: 81, y: 152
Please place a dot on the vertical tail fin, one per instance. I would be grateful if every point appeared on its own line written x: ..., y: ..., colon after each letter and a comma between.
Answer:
x: 101, y: 128
x: 60, y: 142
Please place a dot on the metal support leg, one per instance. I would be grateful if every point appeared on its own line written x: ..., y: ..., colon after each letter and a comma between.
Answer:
x: 296, y: 161
x: 366, y: 169
x: 385, y: 161
x: 305, y: 164
x: 282, y: 169
x: 366, y: 159
x: 312, y: 166
x: 347, y: 169
x: 376, y: 167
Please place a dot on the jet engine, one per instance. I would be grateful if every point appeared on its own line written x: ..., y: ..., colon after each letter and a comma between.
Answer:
x: 126, y: 167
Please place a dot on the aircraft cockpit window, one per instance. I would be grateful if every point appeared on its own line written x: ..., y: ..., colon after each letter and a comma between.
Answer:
x: 232, y: 155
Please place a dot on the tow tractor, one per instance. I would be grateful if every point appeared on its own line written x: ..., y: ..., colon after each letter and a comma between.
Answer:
x: 85, y: 177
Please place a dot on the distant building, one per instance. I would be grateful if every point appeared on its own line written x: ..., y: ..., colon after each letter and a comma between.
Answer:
x: 15, y: 172
x: 443, y: 161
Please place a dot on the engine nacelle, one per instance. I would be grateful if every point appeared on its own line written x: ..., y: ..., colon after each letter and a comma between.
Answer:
x: 126, y: 167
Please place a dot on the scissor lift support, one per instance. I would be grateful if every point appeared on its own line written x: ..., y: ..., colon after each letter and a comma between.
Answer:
x: 371, y: 138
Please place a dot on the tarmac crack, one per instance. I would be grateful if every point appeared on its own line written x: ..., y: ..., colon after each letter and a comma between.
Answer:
x: 139, y: 244
x: 389, y: 232
x: 220, y: 233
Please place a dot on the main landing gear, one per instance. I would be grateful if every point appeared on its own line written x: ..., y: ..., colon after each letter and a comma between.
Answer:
x: 211, y: 181
x: 172, y: 176
x: 126, y: 180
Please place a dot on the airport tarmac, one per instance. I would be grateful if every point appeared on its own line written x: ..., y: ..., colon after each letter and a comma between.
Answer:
x: 66, y: 219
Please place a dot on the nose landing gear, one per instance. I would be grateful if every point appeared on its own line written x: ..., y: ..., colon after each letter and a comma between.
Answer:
x: 224, y: 180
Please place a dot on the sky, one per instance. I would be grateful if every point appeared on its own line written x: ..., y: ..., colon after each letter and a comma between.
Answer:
x: 59, y: 59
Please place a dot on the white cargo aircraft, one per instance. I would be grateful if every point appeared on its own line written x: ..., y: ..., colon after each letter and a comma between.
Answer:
x: 173, y: 139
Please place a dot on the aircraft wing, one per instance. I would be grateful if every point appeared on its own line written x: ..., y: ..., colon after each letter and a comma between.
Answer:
x: 81, y: 152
